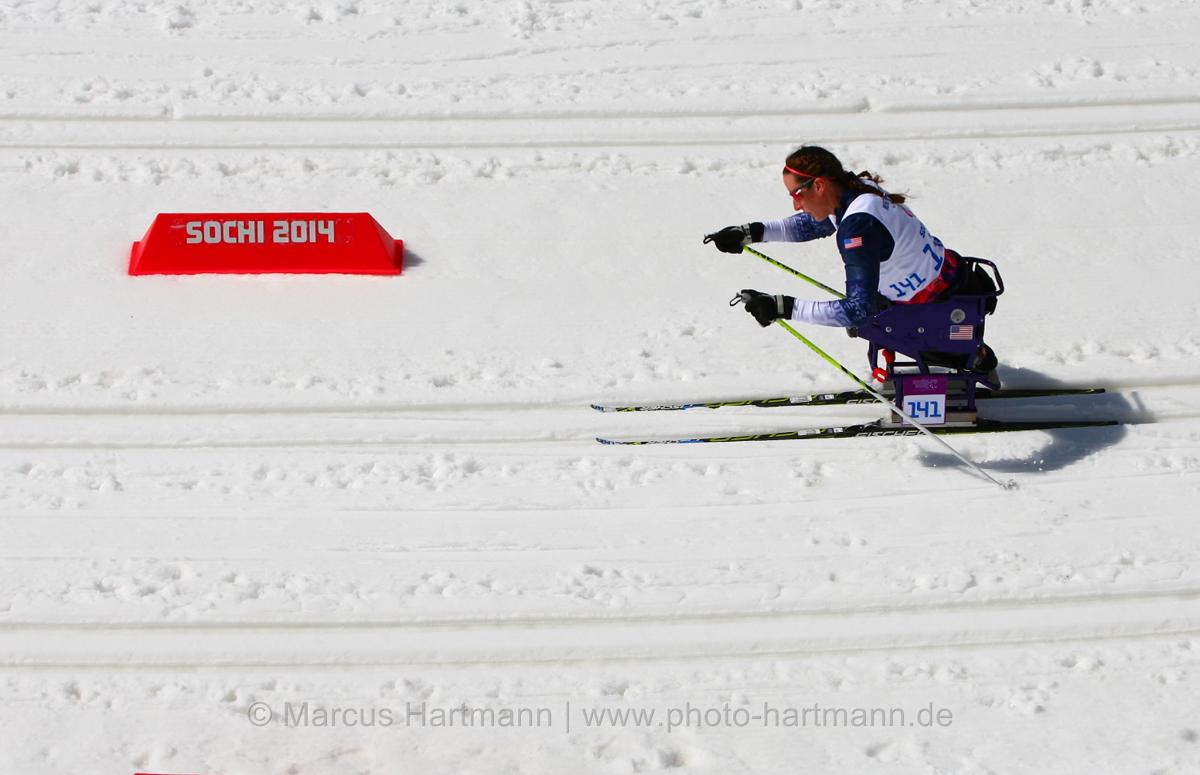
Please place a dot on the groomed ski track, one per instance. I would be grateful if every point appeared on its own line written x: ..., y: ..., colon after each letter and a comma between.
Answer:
x: 606, y: 639
x: 227, y: 491
x: 358, y: 425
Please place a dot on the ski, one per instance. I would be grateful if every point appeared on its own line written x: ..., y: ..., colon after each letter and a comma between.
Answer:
x: 876, y: 428
x: 835, y: 399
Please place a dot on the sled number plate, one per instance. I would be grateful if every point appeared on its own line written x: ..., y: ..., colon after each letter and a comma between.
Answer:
x: 925, y: 398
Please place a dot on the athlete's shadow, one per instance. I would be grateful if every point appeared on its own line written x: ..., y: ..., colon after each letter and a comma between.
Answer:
x: 1064, y: 446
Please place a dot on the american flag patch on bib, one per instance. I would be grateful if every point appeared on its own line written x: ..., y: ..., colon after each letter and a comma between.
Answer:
x: 853, y: 242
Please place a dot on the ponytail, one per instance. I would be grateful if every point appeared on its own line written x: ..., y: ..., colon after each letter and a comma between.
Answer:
x: 820, y: 163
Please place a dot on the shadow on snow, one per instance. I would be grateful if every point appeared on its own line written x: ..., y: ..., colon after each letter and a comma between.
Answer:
x: 1064, y: 446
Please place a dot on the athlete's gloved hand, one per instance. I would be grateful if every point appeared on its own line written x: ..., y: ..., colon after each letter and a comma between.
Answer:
x: 766, y: 308
x: 732, y: 239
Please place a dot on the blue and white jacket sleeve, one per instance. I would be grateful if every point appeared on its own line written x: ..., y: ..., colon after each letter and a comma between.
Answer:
x: 797, y: 228
x: 864, y: 243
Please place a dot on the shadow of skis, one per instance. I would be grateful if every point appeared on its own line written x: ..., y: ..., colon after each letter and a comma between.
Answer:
x: 1063, y: 446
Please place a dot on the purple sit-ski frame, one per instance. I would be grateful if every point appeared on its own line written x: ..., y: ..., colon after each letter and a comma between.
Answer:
x: 923, y: 331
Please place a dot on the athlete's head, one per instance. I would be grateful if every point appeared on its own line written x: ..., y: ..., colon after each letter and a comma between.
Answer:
x: 816, y: 180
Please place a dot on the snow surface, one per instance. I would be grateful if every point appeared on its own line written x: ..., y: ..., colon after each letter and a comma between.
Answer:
x: 371, y: 493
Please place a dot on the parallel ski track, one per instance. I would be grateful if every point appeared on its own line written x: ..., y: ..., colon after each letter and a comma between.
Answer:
x: 581, y: 426
x: 852, y: 120
x: 431, y: 440
x: 134, y: 410
x: 527, y: 640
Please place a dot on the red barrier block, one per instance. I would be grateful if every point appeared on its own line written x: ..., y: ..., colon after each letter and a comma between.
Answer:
x: 258, y: 243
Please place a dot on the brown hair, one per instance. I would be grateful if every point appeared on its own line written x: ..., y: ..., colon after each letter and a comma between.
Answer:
x: 820, y: 163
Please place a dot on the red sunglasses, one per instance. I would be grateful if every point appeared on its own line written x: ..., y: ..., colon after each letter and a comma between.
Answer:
x: 803, y: 186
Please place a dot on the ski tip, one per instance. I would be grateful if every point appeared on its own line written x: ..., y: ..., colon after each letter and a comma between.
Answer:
x: 598, y: 407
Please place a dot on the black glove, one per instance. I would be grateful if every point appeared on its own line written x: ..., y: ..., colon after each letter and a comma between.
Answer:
x: 766, y: 308
x: 732, y: 239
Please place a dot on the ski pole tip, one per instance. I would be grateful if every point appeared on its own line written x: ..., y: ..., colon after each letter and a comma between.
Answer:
x: 1010, y: 485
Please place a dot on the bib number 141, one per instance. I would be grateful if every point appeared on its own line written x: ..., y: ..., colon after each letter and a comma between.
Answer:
x: 928, y: 409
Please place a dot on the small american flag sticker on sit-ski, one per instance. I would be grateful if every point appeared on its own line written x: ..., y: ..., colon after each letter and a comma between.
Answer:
x: 962, y: 332
x: 853, y: 242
